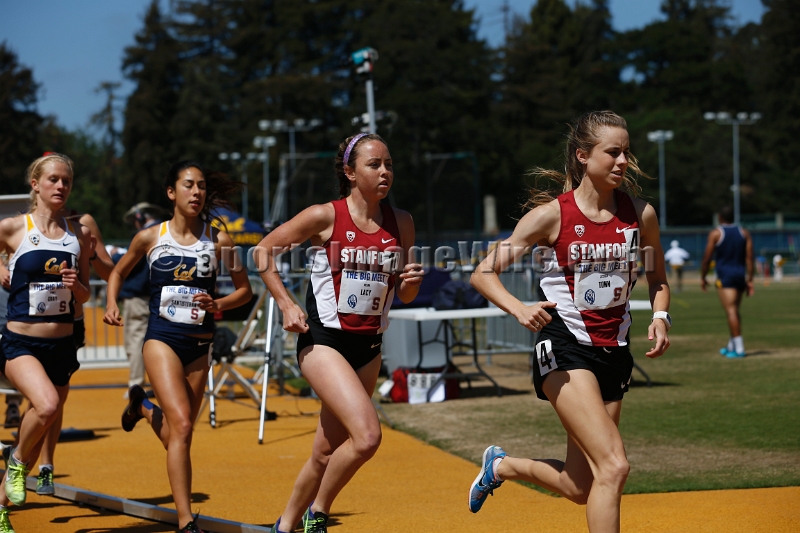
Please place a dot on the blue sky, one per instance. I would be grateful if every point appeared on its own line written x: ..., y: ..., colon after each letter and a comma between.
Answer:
x: 73, y: 46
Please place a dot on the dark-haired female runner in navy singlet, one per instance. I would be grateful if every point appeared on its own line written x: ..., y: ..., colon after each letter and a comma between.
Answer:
x: 183, y: 255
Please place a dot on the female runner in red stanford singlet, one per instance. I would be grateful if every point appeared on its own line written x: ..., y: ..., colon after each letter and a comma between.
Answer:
x: 359, y: 263
x: 591, y: 235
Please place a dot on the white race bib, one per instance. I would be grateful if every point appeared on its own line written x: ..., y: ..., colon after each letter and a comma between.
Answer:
x: 601, y: 285
x: 48, y: 299
x: 177, y: 305
x: 362, y: 292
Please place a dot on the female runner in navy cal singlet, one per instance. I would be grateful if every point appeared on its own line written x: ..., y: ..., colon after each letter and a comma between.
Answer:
x: 591, y: 235
x: 183, y: 255
x: 49, y: 274
x: 103, y: 265
x: 359, y: 262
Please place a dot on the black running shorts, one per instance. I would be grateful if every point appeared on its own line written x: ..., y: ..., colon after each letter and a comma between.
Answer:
x: 612, y: 366
x: 358, y: 350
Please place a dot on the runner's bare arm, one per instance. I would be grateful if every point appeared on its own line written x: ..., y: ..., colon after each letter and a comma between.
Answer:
x: 315, y: 223
x: 142, y: 243
x: 11, y: 233
x: 10, y: 229
x: 99, y: 258
x: 411, y: 277
x: 76, y: 278
x: 538, y: 226
x: 713, y: 238
x: 749, y: 262
x: 241, y: 283
x: 656, y: 274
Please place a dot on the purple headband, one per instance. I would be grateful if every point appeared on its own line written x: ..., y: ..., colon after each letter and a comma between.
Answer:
x: 350, y: 148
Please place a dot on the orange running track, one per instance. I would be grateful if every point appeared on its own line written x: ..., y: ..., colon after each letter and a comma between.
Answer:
x: 408, y: 486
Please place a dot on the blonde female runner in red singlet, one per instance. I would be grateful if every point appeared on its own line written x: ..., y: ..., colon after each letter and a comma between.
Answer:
x: 591, y: 235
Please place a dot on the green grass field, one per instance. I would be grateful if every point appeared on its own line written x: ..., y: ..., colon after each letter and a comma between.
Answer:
x: 706, y: 423
x: 722, y: 407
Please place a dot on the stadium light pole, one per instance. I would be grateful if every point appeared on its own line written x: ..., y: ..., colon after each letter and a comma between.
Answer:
x: 364, y: 61
x: 290, y: 127
x: 727, y: 119
x: 245, y: 158
x: 264, y: 143
x: 660, y: 137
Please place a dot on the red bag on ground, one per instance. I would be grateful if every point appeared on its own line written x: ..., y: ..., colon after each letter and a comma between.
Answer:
x: 399, y: 392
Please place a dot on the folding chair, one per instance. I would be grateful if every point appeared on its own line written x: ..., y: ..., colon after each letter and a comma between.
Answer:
x: 227, y: 372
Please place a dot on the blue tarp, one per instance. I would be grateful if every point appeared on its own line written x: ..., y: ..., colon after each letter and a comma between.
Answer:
x: 244, y: 232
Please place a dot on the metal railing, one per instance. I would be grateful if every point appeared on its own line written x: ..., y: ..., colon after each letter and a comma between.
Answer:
x: 104, y: 343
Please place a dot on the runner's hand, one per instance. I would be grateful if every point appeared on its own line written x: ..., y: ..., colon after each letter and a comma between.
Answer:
x: 69, y: 276
x: 658, y: 331
x: 412, y: 274
x: 112, y: 315
x: 206, y: 302
x: 294, y: 319
x: 534, y: 317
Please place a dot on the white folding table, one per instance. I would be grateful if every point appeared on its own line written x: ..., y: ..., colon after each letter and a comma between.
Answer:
x: 423, y: 314
x: 445, y: 317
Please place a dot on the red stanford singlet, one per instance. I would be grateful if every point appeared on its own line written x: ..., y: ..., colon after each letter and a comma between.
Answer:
x: 590, y: 271
x: 353, y: 274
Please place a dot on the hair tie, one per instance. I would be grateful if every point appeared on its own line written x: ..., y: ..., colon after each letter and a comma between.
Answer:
x: 350, y: 147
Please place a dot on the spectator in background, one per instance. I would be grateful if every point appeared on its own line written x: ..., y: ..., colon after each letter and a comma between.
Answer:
x: 676, y: 257
x: 777, y: 267
x: 732, y: 248
x: 135, y: 293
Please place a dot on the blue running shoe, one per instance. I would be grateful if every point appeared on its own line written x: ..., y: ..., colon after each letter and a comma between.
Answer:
x: 724, y: 351
x: 486, y: 481
x: 735, y: 355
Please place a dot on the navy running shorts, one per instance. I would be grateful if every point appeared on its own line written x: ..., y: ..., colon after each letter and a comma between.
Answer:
x: 612, y: 365
x: 58, y: 356
x: 188, y: 349
x: 358, y: 350
x: 735, y: 281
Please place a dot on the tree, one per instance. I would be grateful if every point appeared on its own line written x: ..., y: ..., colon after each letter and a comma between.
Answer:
x: 19, y: 121
x: 676, y: 70
x: 776, y: 51
x: 557, y: 66
x: 434, y: 73
x: 153, y: 63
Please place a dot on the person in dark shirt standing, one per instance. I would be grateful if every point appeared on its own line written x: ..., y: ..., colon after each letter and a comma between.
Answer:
x: 732, y: 248
x: 135, y: 293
